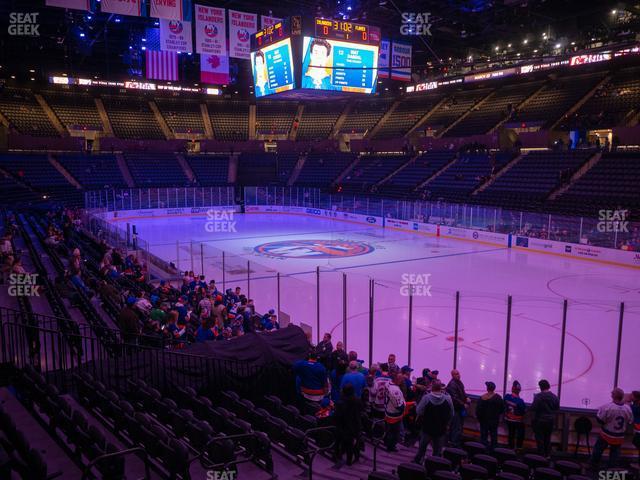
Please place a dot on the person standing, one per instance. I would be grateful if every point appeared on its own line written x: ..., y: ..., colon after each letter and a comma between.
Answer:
x: 393, y: 412
x: 324, y: 350
x: 514, y: 415
x: 434, y: 413
x: 488, y: 411
x: 348, y: 418
x: 378, y: 392
x: 635, y: 408
x: 613, y: 418
x: 312, y: 379
x: 455, y: 389
x: 545, y: 406
x: 355, y: 378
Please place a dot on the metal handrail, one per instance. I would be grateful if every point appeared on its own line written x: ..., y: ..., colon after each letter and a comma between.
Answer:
x: 121, y: 453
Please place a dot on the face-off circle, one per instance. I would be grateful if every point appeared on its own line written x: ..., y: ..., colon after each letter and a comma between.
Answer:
x: 314, y: 249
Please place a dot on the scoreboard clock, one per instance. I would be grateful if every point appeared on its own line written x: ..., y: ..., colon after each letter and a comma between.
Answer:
x: 346, y: 31
x: 271, y: 34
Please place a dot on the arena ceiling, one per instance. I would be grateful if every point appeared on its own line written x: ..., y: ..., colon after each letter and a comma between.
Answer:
x: 460, y: 31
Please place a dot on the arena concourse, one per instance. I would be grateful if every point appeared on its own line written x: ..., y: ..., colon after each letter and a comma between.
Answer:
x: 350, y: 239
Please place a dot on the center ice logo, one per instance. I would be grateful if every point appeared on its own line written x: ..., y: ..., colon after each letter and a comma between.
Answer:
x: 314, y: 249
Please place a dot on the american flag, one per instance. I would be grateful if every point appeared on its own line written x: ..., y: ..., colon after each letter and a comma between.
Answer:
x: 160, y: 65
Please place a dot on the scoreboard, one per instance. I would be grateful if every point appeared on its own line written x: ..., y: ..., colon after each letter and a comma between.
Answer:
x: 271, y: 34
x: 346, y: 31
x: 321, y: 57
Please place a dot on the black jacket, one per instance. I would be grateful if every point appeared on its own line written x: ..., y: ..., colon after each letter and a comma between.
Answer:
x: 348, y: 416
x: 544, y: 407
x: 489, y: 409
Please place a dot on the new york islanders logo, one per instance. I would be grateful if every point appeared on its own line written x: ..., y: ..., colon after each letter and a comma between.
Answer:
x: 243, y: 35
x: 314, y: 249
x: 211, y: 31
x: 175, y: 27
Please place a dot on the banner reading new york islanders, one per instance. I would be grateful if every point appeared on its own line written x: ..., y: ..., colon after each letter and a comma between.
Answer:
x: 211, y: 31
x: 241, y: 26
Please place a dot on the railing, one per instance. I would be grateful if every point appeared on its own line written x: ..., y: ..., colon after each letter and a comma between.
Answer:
x: 592, y: 231
x: 58, y: 355
x: 489, y: 336
x: 110, y: 200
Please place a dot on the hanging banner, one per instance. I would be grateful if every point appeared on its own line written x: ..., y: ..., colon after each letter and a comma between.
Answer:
x: 383, y: 59
x: 74, y: 4
x: 401, y: 61
x: 267, y: 21
x: 175, y: 36
x: 214, y: 69
x: 134, y: 8
x: 211, y: 31
x: 241, y: 26
x: 171, y: 9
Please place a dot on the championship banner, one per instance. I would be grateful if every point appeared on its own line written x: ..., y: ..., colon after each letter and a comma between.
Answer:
x: 214, y: 69
x: 86, y: 5
x: 134, y: 8
x: 241, y: 26
x: 175, y: 36
x: 211, y: 31
x: 401, y: 61
x: 171, y: 9
x: 383, y: 59
x: 267, y: 21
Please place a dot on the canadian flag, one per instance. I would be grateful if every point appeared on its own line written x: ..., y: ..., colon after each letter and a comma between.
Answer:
x: 214, y: 69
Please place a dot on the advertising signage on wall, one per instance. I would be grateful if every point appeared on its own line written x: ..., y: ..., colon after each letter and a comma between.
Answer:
x: 573, y: 61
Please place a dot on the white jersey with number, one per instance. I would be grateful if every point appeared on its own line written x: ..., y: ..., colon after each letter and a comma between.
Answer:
x: 614, y: 418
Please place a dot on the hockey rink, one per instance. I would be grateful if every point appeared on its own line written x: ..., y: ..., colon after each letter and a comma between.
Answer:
x: 349, y: 255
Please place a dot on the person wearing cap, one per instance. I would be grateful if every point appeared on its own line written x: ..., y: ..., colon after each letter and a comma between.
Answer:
x: 407, y: 385
x: 311, y: 376
x: 455, y: 388
x: 514, y: 416
x: 545, y: 406
x: 355, y: 378
x: 488, y: 411
x: 613, y: 417
x: 434, y: 412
